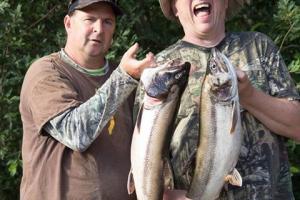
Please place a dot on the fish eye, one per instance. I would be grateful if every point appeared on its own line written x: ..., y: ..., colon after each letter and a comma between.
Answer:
x: 213, y: 67
x: 178, y: 76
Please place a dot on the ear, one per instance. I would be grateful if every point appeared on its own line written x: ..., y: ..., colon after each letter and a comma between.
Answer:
x: 174, y: 9
x: 67, y: 23
x: 226, y: 4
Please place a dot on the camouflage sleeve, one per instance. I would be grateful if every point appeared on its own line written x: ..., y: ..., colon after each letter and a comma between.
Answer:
x: 78, y: 127
x: 280, y: 81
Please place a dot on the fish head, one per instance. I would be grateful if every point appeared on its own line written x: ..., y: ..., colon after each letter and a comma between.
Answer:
x: 221, y: 77
x: 159, y: 81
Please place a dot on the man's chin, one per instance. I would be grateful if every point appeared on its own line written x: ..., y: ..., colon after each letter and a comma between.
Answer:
x: 96, y: 54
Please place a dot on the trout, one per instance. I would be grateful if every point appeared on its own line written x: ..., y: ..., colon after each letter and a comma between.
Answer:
x: 163, y: 86
x: 220, y: 133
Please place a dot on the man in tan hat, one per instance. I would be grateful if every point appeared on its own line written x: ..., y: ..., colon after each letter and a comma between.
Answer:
x: 267, y: 94
x: 76, y: 109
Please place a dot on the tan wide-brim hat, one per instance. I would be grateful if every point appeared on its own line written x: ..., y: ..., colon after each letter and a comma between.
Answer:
x: 233, y: 7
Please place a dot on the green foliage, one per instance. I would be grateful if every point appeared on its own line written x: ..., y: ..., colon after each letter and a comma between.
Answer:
x: 289, y: 15
x: 147, y: 26
x: 30, y: 29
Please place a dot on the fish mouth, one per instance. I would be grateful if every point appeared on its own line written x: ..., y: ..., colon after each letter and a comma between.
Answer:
x: 203, y: 8
x: 223, y: 93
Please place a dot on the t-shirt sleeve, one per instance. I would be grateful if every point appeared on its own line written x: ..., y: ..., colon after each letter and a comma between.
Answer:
x: 280, y: 81
x: 51, y: 95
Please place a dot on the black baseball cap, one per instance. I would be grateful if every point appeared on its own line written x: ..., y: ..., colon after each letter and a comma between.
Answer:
x: 79, y: 4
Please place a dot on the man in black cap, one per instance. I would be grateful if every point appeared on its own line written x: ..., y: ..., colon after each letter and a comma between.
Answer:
x: 76, y: 109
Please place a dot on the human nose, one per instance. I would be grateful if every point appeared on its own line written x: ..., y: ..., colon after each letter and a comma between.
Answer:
x: 98, y: 26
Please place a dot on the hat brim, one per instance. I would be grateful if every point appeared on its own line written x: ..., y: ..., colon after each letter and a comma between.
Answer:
x: 77, y: 5
x: 233, y: 7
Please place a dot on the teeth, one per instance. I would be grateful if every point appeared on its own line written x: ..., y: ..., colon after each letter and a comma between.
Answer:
x: 204, y: 5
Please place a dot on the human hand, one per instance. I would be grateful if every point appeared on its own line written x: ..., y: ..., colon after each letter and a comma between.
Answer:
x: 244, y: 85
x: 135, y: 67
x: 175, y: 195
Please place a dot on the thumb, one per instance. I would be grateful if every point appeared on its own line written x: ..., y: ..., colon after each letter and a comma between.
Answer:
x: 132, y: 51
x: 240, y: 75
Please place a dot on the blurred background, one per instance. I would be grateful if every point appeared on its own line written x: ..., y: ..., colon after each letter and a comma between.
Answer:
x: 30, y: 29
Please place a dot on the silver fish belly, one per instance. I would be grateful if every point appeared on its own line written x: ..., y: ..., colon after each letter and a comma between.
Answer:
x: 221, y: 132
x: 151, y: 136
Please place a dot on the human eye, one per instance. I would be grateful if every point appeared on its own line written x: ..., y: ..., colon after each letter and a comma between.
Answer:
x: 109, y: 22
x: 89, y: 19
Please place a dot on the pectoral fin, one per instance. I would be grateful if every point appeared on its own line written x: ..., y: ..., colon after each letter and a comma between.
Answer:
x: 234, y: 178
x: 234, y: 116
x: 139, y: 118
x: 168, y: 175
x: 130, y: 183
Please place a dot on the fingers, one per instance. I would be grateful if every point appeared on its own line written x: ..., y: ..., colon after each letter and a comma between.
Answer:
x: 241, y: 75
x: 174, y: 195
x: 246, y: 89
x: 135, y: 67
x: 148, y: 61
x: 140, y: 65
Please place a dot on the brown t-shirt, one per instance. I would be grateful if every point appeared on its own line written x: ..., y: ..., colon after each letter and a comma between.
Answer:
x: 50, y: 169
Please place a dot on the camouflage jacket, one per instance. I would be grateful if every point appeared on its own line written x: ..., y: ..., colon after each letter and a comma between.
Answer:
x: 263, y: 162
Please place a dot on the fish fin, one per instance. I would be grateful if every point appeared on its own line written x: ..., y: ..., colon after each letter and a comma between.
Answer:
x: 168, y: 175
x: 234, y: 178
x: 139, y: 118
x: 130, y: 183
x: 234, y: 117
x: 189, y: 161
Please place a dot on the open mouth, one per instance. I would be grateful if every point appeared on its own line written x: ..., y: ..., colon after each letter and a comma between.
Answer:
x: 202, y: 8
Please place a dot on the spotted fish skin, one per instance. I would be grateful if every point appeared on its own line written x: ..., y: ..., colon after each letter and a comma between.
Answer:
x: 220, y: 133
